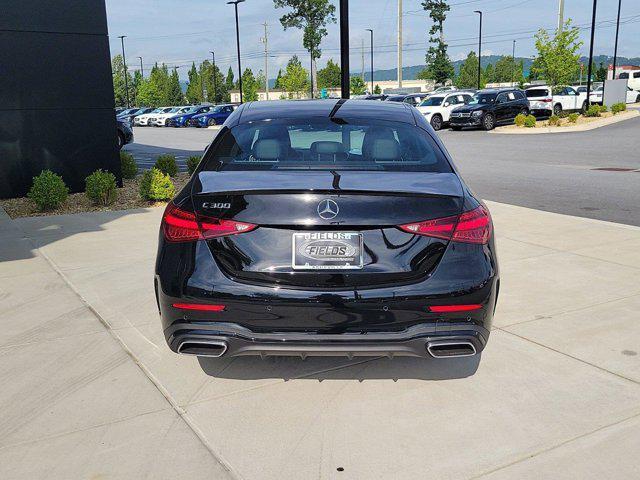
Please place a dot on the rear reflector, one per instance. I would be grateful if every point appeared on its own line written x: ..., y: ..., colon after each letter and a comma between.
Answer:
x: 203, y: 307
x: 180, y: 225
x: 454, y: 308
x: 471, y: 227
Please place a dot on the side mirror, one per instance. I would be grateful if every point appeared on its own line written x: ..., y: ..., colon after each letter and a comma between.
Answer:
x: 446, y: 104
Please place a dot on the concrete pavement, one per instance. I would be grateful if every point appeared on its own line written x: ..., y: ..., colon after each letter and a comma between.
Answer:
x: 90, y: 389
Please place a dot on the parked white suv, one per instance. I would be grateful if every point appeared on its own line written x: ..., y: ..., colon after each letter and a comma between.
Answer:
x: 437, y: 108
x: 544, y: 102
x: 160, y: 119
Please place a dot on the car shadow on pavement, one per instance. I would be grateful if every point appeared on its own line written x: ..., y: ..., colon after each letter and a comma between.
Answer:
x: 337, y: 368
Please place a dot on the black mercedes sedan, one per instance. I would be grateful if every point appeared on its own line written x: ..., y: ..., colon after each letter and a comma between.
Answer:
x: 326, y: 227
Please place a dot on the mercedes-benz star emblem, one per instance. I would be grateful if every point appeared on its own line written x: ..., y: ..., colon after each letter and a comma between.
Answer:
x: 328, y: 209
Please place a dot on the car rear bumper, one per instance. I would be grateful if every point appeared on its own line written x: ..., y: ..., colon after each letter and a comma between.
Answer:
x: 423, y: 340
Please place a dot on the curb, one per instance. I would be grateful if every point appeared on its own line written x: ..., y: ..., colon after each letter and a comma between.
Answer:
x: 603, y: 122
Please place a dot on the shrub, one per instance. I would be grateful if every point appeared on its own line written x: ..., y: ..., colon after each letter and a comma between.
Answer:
x: 554, y: 120
x: 573, y: 117
x: 192, y: 164
x: 520, y: 118
x: 101, y: 187
x: 48, y: 190
x: 530, y: 121
x: 593, y: 111
x: 128, y: 165
x: 618, y: 107
x: 156, y: 185
x: 603, y: 108
x: 167, y: 164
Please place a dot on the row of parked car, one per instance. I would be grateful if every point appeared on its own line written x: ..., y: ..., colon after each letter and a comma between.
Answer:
x: 185, y: 116
x: 488, y: 108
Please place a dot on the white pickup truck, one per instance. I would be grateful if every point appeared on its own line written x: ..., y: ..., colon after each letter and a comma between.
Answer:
x: 543, y: 102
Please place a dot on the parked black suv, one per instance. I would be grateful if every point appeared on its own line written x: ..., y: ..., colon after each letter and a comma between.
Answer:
x: 489, y: 108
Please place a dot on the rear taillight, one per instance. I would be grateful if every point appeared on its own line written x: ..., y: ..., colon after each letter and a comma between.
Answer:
x: 473, y: 226
x: 547, y: 100
x: 182, y: 226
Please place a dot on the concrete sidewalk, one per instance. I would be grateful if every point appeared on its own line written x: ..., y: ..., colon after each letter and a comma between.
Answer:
x: 90, y: 389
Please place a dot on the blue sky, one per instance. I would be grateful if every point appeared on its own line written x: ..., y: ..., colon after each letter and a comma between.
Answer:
x: 179, y: 31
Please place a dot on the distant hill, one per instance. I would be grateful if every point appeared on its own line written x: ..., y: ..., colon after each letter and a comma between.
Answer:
x: 411, y: 73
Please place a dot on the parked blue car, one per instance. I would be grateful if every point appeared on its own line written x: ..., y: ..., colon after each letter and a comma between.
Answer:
x: 181, y: 119
x: 216, y: 116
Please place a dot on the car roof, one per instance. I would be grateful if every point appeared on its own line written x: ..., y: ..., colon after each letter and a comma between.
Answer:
x: 338, y: 108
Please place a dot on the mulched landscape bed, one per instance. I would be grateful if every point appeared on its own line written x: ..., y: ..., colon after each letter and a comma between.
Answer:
x: 128, y: 198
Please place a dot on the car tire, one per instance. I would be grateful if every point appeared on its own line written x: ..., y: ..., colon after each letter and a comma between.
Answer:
x: 638, y: 99
x: 436, y: 122
x: 120, y: 141
x: 557, y: 109
x: 489, y: 122
x: 525, y: 112
x: 212, y: 122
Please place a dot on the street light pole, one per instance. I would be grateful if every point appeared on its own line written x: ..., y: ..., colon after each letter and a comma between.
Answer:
x: 615, y: 48
x: 371, y: 32
x: 124, y: 64
x: 344, y: 48
x: 141, y: 68
x: 593, y: 29
x: 479, y: 47
x: 513, y: 65
x: 235, y: 4
x: 215, y: 79
x: 311, y: 72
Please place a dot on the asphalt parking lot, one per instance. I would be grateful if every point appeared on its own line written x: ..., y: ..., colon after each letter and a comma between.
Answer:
x: 560, y: 173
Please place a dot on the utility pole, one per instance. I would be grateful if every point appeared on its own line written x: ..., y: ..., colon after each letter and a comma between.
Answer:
x: 399, y: 43
x: 371, y: 31
x: 479, y: 49
x: 593, y: 30
x: 265, y: 40
x: 311, y: 72
x: 235, y: 4
x: 560, y: 15
x: 615, y: 48
x: 344, y: 49
x: 141, y: 68
x: 215, y: 77
x: 124, y: 64
x: 513, y: 65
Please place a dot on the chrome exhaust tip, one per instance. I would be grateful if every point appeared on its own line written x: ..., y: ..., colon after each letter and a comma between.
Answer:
x: 451, y: 348
x: 203, y: 348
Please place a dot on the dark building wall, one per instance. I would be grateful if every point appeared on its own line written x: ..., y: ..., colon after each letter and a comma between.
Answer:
x: 56, y: 93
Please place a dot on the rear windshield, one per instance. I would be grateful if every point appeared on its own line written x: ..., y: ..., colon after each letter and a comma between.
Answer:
x: 322, y: 144
x: 537, y: 92
x: 623, y: 75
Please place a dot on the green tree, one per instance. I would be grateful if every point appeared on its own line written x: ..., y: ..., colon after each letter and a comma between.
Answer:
x: 507, y: 69
x: 174, y: 90
x: 231, y: 84
x: 377, y: 90
x: 137, y: 80
x: 249, y: 86
x: 329, y: 76
x: 601, y: 73
x: 152, y: 91
x: 558, y: 59
x: 312, y: 16
x: 489, y: 74
x: 439, y: 66
x: 295, y: 79
x: 195, y: 86
x: 468, y: 76
x: 278, y: 84
x: 119, y: 90
x: 357, y: 85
